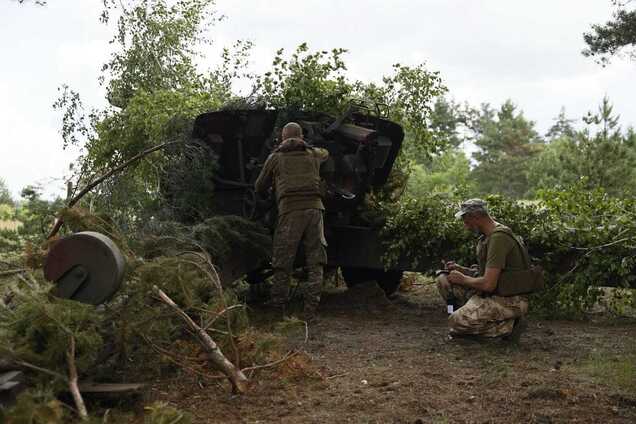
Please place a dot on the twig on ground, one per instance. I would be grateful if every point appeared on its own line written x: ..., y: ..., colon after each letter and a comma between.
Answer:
x: 287, y: 356
x: 221, y: 313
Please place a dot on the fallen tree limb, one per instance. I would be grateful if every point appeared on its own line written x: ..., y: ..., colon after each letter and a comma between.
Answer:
x: 216, y: 283
x: 234, y: 375
x: 59, y: 221
x: 72, y: 381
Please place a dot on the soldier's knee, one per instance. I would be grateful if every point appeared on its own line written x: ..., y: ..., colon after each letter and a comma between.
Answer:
x: 442, y: 282
x: 460, y: 321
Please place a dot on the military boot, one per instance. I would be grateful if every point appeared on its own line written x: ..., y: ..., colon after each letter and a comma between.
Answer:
x: 519, y: 327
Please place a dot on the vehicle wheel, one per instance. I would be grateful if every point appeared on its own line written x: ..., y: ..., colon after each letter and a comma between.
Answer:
x: 389, y: 280
x: 259, y: 288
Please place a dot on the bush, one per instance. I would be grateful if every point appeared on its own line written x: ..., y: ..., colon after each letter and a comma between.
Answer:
x: 583, y: 239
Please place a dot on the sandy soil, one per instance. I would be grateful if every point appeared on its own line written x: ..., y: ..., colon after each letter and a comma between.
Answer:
x: 371, y: 360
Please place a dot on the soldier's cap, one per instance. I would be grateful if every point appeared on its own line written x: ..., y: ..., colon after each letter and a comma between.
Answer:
x: 470, y: 206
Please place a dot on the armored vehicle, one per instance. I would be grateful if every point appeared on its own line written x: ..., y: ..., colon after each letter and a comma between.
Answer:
x: 362, y: 146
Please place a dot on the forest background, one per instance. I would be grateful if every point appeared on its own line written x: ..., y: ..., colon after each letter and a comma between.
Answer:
x: 155, y: 86
x: 569, y: 192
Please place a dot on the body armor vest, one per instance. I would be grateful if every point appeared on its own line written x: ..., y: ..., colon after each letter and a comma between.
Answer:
x: 513, y: 283
x: 298, y: 174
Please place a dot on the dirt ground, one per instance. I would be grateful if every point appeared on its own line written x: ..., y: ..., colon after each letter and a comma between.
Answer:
x: 371, y: 360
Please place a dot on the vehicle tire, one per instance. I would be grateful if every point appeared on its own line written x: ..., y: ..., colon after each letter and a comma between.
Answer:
x: 389, y: 280
x: 259, y: 290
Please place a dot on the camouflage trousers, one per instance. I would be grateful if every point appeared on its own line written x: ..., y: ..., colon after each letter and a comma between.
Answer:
x: 481, y: 315
x: 293, y: 228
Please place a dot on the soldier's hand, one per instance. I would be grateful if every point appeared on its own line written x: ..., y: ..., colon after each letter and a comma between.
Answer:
x: 452, y: 265
x: 456, y: 277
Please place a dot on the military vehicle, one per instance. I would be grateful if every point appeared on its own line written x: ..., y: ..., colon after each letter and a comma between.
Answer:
x: 363, y: 146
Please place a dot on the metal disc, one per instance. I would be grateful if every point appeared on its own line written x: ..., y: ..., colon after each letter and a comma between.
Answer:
x: 95, y: 254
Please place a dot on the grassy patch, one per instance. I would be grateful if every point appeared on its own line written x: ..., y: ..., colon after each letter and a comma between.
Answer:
x: 614, y: 370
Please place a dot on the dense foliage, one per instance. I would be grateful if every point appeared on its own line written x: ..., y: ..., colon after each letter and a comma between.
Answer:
x: 582, y: 238
x: 133, y: 337
x: 154, y: 90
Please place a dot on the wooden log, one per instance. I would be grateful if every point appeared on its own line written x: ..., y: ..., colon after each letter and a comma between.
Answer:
x: 234, y: 375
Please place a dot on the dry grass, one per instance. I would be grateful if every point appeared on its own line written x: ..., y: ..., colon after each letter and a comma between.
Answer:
x: 10, y: 225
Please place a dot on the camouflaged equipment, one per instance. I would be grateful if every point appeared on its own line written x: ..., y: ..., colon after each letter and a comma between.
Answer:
x: 362, y: 145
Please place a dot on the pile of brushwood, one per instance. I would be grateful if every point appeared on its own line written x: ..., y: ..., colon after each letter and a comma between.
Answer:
x: 138, y: 336
x: 582, y: 238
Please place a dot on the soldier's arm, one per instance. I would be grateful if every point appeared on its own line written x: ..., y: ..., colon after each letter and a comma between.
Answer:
x: 452, y: 266
x: 498, y: 248
x: 321, y: 154
x: 486, y: 283
x: 265, y: 178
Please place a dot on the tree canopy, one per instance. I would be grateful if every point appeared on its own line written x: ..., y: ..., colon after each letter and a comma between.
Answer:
x: 614, y: 37
x: 506, y: 143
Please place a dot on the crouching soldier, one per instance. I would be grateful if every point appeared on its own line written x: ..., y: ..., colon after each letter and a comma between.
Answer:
x: 293, y: 171
x: 492, y: 298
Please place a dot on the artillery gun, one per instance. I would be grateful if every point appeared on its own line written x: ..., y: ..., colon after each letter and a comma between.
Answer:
x: 363, y: 146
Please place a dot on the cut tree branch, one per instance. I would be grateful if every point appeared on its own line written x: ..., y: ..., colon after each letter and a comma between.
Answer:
x: 59, y: 221
x: 235, y: 375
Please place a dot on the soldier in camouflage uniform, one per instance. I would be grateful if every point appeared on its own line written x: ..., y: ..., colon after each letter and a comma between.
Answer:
x: 293, y: 171
x: 482, y: 312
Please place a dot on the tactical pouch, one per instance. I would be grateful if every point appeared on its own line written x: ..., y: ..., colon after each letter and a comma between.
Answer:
x: 513, y: 283
x: 529, y: 280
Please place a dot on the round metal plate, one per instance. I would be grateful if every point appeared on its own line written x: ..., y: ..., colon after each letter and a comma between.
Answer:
x: 97, y: 255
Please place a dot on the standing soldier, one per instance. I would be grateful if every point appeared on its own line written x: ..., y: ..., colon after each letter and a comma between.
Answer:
x: 293, y: 170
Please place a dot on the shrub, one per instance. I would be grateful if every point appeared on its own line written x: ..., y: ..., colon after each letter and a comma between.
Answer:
x: 583, y: 239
